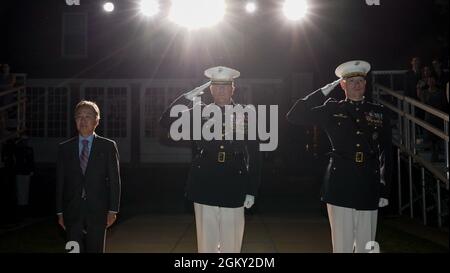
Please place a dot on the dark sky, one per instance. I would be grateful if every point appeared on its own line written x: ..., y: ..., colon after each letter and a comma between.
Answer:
x: 123, y: 45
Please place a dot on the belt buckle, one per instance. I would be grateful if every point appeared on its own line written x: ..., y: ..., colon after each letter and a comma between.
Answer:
x: 359, y: 157
x: 221, y: 157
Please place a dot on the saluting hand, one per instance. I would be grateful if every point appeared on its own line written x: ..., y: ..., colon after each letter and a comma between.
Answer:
x: 198, y: 91
x: 326, y: 90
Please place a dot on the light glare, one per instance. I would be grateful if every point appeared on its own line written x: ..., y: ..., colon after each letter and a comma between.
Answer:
x: 195, y: 14
x: 108, y: 7
x: 295, y: 9
x: 149, y: 7
x: 250, y: 7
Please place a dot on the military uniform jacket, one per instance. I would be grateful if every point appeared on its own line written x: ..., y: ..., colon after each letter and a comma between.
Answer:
x: 222, y: 171
x: 359, y: 169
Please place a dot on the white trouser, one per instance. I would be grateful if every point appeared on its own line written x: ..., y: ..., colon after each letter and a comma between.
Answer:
x: 351, y: 229
x: 219, y: 229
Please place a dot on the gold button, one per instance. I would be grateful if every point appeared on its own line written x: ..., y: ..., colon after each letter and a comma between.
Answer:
x: 358, y: 145
x: 358, y: 132
x: 357, y: 120
x: 221, y: 146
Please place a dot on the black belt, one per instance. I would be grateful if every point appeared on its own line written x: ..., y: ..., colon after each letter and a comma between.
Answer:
x: 220, y: 156
x: 358, y: 157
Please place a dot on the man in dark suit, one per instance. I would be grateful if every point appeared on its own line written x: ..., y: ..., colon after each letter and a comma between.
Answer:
x: 88, y: 182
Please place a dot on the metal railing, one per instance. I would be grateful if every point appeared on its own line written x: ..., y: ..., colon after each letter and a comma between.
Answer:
x: 405, y: 139
x: 12, y: 109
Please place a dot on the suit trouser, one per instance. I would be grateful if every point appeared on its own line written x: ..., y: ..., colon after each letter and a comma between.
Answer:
x: 219, y: 229
x: 351, y: 229
x: 90, y: 237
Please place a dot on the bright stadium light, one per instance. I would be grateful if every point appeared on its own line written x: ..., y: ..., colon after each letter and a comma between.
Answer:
x: 108, y: 7
x: 250, y: 7
x: 149, y: 7
x: 295, y: 9
x: 194, y: 14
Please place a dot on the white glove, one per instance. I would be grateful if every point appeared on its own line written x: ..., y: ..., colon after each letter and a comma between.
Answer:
x: 198, y: 91
x: 329, y: 87
x: 249, y: 201
x: 383, y: 202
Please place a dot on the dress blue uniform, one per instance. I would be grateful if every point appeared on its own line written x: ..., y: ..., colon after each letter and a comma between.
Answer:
x: 357, y: 176
x: 224, y: 174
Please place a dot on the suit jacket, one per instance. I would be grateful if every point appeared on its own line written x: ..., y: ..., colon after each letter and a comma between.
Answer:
x: 101, y: 181
x: 360, y: 165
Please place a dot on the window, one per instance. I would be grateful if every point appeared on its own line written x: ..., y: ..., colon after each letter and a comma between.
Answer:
x: 35, y: 115
x: 57, y: 112
x: 112, y: 102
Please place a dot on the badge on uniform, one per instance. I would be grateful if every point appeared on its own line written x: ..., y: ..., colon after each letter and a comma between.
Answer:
x: 374, y: 119
x: 340, y: 115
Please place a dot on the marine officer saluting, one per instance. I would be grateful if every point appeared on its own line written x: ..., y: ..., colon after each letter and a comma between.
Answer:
x: 357, y: 178
x: 224, y: 175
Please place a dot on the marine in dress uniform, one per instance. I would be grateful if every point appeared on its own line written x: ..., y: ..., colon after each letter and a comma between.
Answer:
x: 357, y: 178
x: 224, y: 175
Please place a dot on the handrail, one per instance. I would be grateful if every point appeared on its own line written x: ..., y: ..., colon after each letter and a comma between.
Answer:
x: 389, y: 91
x: 428, y: 108
x: 391, y: 107
x: 426, y: 164
x: 389, y: 72
x: 12, y: 90
x: 406, y: 144
x: 12, y: 104
x: 427, y: 126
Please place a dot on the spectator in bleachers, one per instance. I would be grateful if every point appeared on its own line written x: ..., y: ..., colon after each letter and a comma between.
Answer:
x: 412, y: 77
x: 439, y: 74
x: 423, y: 84
x: 7, y: 80
x: 433, y: 95
x: 420, y: 95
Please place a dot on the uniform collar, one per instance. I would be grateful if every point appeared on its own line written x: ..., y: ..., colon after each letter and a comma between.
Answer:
x: 354, y: 102
x: 223, y: 107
